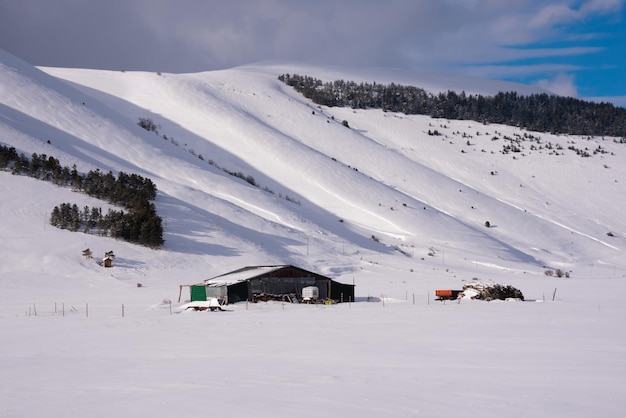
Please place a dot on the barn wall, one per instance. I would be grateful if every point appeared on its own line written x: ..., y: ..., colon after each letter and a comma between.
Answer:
x: 217, y: 291
x: 279, y: 285
x: 289, y: 280
x: 342, y: 292
x: 197, y: 293
x: 238, y: 292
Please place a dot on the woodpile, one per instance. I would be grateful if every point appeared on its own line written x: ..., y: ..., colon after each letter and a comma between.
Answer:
x: 482, y: 291
x: 264, y: 297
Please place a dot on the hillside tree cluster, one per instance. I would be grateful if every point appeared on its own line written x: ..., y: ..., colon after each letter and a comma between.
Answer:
x: 138, y: 224
x: 536, y: 112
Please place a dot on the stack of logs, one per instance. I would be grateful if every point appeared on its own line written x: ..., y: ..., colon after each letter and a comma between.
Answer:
x: 482, y: 291
x: 264, y: 297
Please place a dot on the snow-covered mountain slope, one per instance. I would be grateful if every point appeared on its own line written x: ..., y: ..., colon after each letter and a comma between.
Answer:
x: 381, y: 185
x: 383, y: 204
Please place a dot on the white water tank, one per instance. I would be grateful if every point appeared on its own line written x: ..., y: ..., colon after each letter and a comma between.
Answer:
x: 310, y: 293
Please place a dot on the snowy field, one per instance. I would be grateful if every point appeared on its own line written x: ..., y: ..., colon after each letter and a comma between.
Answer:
x: 81, y: 340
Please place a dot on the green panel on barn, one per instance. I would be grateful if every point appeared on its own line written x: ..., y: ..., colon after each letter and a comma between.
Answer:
x: 198, y: 293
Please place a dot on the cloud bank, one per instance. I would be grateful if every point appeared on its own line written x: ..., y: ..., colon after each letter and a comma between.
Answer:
x: 490, y: 38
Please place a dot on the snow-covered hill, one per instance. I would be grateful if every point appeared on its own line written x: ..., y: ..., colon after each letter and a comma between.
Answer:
x: 382, y: 203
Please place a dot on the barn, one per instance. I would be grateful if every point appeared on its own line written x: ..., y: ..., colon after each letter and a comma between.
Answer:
x: 277, y: 282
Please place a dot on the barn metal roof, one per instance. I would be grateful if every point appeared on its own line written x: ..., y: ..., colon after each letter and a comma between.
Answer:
x: 241, y: 275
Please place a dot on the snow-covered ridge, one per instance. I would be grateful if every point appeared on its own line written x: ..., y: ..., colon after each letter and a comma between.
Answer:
x: 382, y: 204
x: 430, y: 82
x: 384, y: 178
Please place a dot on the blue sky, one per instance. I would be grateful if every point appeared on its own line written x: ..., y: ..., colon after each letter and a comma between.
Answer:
x: 585, y: 56
x: 571, y: 47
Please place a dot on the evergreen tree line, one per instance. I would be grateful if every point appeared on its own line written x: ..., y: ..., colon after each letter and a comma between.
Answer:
x: 536, y: 112
x: 140, y: 224
x: 125, y: 190
x: 38, y: 166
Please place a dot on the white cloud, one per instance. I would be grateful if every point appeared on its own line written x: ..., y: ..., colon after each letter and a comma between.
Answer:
x: 508, y: 71
x: 553, y: 14
x: 615, y: 100
x: 196, y: 35
x: 601, y: 6
x: 562, y: 84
